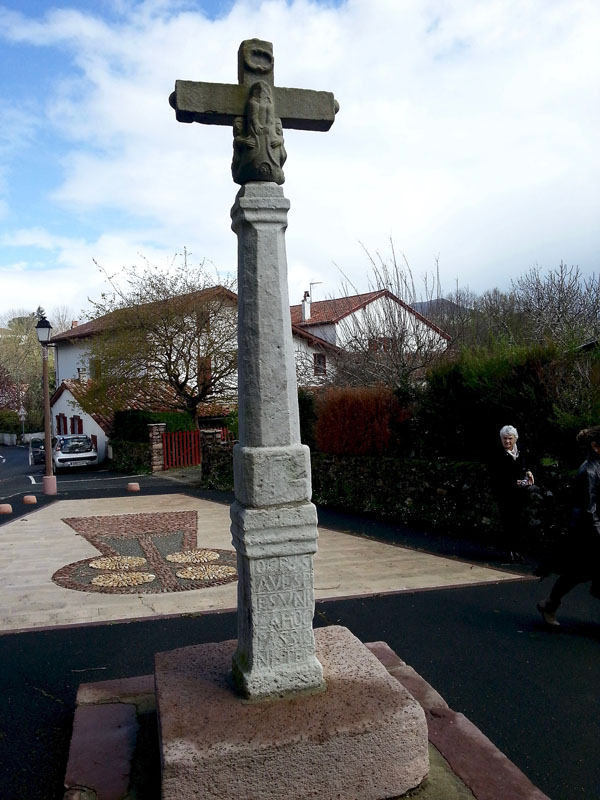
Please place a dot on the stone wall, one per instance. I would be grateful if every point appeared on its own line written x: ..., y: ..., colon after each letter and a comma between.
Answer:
x: 443, y: 495
x: 452, y: 496
x: 217, y: 461
x: 155, y: 432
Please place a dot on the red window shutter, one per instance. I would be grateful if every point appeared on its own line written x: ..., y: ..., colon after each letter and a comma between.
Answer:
x: 57, y: 424
x: 79, y: 425
x: 72, y: 423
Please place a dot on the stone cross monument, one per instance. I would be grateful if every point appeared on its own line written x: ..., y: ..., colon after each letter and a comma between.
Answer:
x: 274, y: 524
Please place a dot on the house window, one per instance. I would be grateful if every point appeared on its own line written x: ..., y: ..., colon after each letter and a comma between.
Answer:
x: 382, y: 344
x: 320, y: 364
x: 61, y: 424
x: 76, y: 424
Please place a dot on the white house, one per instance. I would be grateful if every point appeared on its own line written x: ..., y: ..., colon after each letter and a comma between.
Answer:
x: 74, y: 368
x: 372, y: 321
x: 68, y: 416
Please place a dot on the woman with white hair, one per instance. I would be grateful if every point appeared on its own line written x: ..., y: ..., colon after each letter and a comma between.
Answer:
x: 510, y: 478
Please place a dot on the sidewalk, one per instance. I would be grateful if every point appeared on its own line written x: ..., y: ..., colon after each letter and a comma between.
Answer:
x: 34, y: 547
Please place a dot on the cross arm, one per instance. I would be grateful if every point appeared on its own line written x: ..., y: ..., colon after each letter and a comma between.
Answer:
x: 221, y: 103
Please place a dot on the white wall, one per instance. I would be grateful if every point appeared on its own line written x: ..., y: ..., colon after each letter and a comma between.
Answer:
x: 387, y: 318
x: 304, y: 356
x: 67, y: 405
x: 69, y: 357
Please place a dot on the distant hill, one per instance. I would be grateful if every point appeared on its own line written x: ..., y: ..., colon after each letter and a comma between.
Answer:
x: 439, y: 306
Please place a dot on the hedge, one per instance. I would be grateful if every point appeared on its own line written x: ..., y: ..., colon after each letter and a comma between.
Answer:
x: 132, y: 425
x: 435, y: 495
x: 130, y: 456
x: 9, y: 422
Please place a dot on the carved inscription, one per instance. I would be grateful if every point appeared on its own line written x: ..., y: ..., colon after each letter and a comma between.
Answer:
x: 283, y: 601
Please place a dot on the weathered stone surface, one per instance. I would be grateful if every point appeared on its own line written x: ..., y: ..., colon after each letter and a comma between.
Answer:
x: 268, y: 403
x: 422, y: 691
x: 269, y: 475
x: 137, y: 691
x: 365, y: 737
x: 102, y: 748
x: 476, y: 760
x: 274, y: 526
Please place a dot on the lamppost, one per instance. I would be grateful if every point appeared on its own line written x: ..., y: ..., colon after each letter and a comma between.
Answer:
x: 43, y: 330
x: 22, y: 417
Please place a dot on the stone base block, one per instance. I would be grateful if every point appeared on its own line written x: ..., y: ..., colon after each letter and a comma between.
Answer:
x: 364, y: 737
x: 101, y: 751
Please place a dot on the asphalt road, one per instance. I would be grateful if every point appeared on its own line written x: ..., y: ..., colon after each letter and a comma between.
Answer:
x: 534, y: 691
x: 18, y: 478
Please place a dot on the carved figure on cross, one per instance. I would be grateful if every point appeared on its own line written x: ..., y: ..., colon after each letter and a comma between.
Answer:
x: 257, y: 110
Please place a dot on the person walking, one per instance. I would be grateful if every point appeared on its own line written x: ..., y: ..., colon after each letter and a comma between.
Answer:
x: 579, y: 560
x: 510, y: 479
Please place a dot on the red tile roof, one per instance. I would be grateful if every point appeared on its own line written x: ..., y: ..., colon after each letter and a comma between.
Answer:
x: 329, y: 312
x: 101, y: 323
x: 161, y: 397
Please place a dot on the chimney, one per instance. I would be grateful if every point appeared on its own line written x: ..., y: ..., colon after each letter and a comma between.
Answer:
x: 74, y: 324
x: 306, y: 307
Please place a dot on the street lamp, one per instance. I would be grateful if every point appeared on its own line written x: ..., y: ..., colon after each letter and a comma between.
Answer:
x: 43, y: 330
x: 22, y: 417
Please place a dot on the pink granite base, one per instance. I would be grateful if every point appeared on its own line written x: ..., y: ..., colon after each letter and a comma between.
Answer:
x: 101, y: 751
x: 365, y: 737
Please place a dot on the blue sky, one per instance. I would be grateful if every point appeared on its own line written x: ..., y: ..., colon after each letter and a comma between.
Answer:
x: 468, y: 132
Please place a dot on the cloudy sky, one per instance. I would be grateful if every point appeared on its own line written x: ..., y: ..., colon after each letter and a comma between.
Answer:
x: 468, y: 132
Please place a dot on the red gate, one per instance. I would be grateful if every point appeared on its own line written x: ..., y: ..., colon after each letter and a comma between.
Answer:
x: 182, y: 449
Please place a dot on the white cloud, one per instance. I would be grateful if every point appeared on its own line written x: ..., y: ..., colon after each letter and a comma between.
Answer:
x: 466, y: 129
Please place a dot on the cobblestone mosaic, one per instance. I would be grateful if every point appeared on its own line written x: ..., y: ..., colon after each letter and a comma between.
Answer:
x: 145, y: 553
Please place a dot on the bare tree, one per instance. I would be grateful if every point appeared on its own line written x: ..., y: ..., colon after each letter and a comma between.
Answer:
x: 172, y: 327
x: 561, y: 306
x: 389, y: 342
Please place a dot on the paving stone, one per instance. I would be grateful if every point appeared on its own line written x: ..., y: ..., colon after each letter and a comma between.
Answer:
x: 102, y: 748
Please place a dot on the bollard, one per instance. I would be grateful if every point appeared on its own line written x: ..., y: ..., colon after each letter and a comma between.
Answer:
x: 29, y: 499
x: 133, y: 487
x: 5, y: 508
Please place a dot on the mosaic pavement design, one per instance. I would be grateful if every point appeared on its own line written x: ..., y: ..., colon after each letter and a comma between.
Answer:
x: 148, y: 553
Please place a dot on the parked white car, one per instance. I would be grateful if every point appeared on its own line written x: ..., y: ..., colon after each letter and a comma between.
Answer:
x: 73, y: 450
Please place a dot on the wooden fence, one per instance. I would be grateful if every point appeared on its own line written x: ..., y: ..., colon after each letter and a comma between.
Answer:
x: 182, y: 449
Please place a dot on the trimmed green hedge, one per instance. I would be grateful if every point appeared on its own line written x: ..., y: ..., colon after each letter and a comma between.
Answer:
x: 130, y: 456
x: 132, y: 426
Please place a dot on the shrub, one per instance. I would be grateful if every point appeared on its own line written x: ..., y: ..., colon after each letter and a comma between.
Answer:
x: 132, y: 425
x: 467, y: 402
x: 356, y: 421
x: 232, y: 423
x: 307, y: 408
x: 130, y: 456
x: 9, y: 422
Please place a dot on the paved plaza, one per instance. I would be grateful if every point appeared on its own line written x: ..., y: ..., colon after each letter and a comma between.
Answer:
x: 46, y: 578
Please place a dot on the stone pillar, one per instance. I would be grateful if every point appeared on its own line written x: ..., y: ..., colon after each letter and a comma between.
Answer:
x: 274, y: 524
x: 155, y: 432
